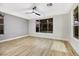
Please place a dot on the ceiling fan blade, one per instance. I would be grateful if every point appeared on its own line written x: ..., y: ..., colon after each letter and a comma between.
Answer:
x: 37, y: 14
x: 29, y: 11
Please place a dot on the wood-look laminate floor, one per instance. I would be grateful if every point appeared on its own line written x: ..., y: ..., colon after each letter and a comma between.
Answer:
x: 33, y: 46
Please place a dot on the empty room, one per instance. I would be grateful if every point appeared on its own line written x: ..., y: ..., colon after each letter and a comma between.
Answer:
x: 39, y: 29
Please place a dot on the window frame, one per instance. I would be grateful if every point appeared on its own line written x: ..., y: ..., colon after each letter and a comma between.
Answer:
x: 1, y: 24
x: 49, y: 23
x: 75, y: 23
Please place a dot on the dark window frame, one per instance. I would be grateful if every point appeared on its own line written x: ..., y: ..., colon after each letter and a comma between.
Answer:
x: 76, y: 21
x: 44, y: 25
x: 1, y: 24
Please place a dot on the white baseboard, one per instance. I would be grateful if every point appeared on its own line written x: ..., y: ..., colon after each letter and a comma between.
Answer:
x: 13, y: 38
x: 33, y: 36
x: 74, y: 43
x: 48, y: 36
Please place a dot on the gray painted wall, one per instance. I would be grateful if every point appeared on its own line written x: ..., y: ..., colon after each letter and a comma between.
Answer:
x: 14, y: 26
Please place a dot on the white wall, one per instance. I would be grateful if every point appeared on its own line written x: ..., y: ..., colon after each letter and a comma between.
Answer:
x: 73, y: 41
x: 59, y: 28
x: 14, y: 27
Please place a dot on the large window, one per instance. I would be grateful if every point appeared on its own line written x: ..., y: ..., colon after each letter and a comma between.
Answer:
x: 1, y: 24
x: 44, y: 25
x: 76, y: 23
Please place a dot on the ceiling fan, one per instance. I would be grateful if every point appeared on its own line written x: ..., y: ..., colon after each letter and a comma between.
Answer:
x: 35, y: 11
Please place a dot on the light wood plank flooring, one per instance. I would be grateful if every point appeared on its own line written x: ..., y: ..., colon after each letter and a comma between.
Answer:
x: 33, y: 46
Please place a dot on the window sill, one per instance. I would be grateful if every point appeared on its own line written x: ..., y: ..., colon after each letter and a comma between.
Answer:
x: 43, y: 33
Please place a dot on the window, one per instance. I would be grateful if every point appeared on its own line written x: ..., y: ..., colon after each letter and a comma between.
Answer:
x: 76, y: 23
x: 45, y: 25
x: 1, y: 24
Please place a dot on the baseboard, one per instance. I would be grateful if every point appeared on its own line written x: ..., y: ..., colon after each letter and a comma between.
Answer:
x: 74, y: 46
x: 33, y: 36
x: 13, y: 38
x: 48, y: 37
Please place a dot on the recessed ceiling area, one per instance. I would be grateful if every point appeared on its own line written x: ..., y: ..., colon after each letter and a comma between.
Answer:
x: 21, y: 9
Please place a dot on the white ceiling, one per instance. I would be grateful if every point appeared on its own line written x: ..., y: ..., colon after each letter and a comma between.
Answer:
x: 20, y: 9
